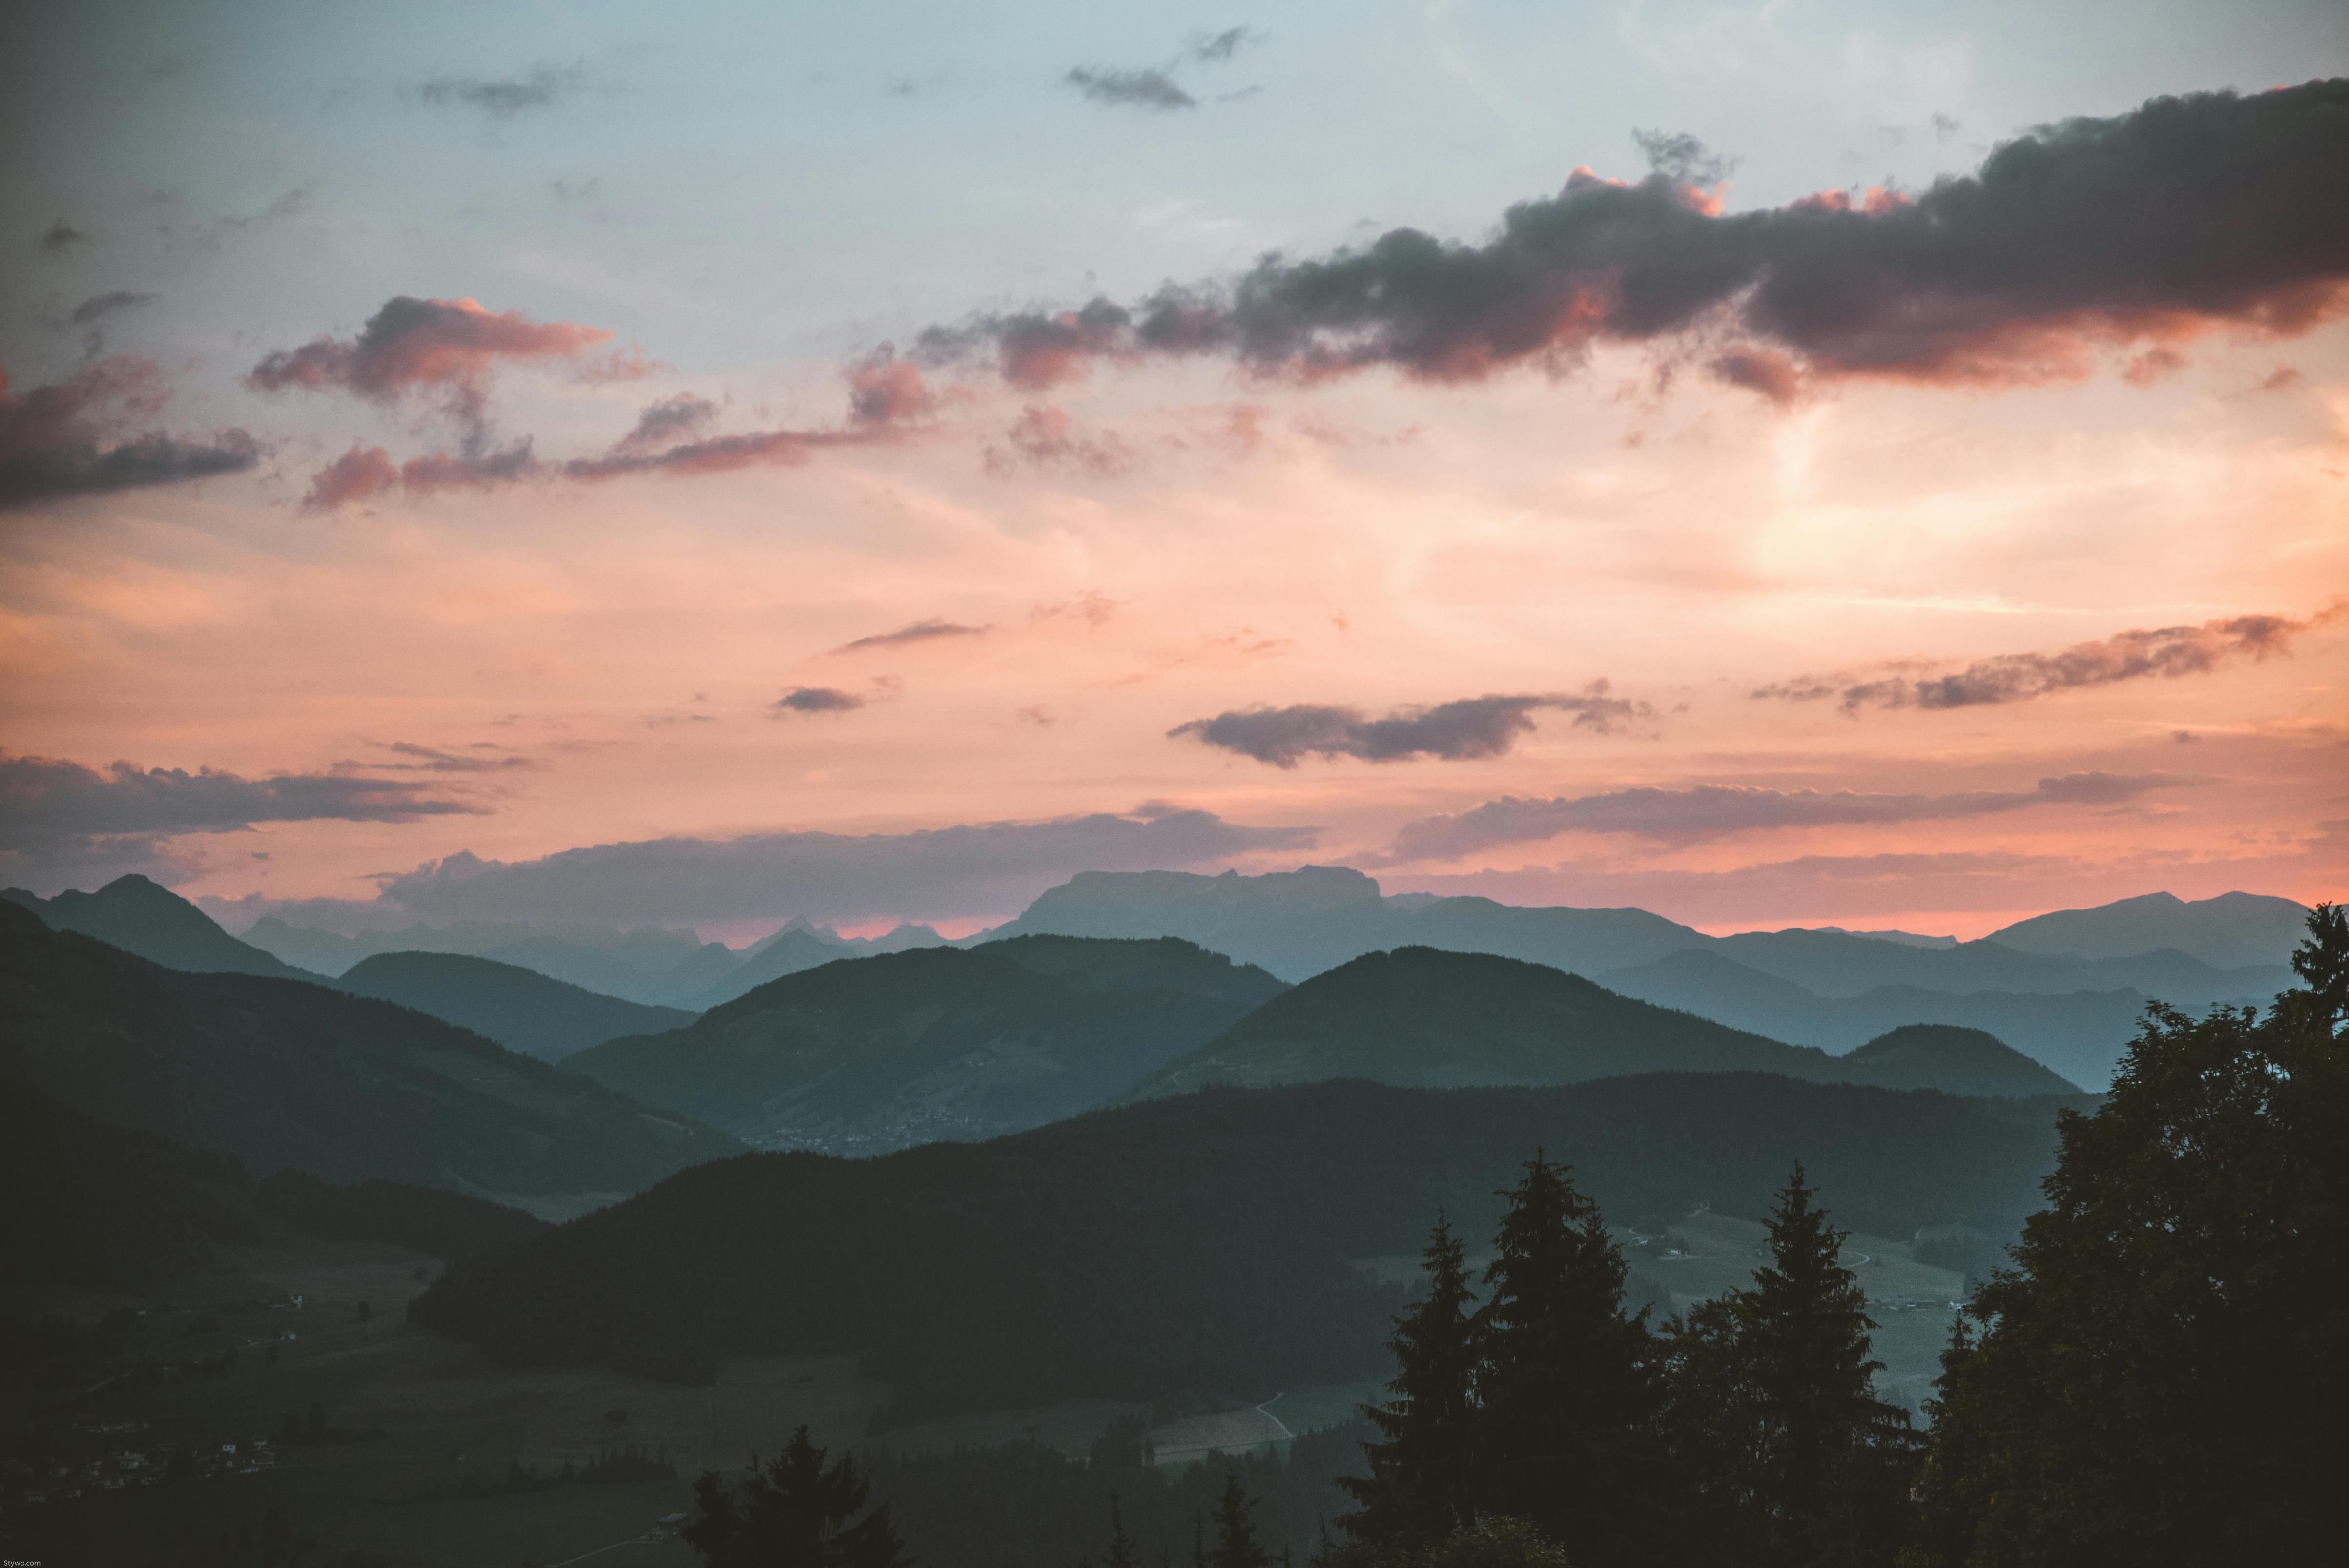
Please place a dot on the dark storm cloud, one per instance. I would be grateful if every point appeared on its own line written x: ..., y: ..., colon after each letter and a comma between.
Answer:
x: 80, y: 437
x: 47, y: 804
x: 1148, y: 88
x: 1719, y: 811
x: 2188, y: 213
x: 1460, y: 731
x: 981, y: 869
x: 2172, y: 652
x: 62, y: 236
x: 921, y: 631
x: 815, y: 699
x: 503, y: 97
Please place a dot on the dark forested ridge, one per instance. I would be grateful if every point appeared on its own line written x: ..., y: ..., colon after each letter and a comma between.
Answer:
x: 1200, y: 1243
x: 281, y: 1073
x: 136, y: 915
x: 520, y: 1009
x: 91, y: 1204
x: 1423, y: 1018
x: 879, y: 1053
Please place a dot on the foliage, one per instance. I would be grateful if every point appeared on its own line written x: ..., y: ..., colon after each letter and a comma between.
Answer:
x: 1418, y: 1488
x: 2159, y: 1379
x: 1489, y: 1543
x: 1564, y: 1386
x: 794, y: 1511
x: 1787, y: 1453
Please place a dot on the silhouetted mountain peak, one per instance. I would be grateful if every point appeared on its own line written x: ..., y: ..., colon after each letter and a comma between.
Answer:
x: 141, y: 916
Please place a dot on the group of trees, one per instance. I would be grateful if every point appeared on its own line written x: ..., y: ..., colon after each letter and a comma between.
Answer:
x: 2157, y: 1377
x: 1743, y: 1430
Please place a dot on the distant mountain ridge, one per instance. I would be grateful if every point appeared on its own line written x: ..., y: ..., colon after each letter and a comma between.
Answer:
x: 2074, y: 1013
x: 519, y: 1008
x: 1422, y: 1017
x: 876, y: 1054
x: 140, y: 916
x: 2231, y: 930
x: 282, y: 1072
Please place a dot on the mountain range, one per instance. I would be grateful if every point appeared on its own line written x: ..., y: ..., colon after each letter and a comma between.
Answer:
x: 1831, y: 989
x: 519, y: 1008
x: 286, y: 1073
x: 936, y: 1042
x: 1425, y: 1018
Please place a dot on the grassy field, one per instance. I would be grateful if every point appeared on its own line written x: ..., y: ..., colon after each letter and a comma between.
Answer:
x: 414, y: 1423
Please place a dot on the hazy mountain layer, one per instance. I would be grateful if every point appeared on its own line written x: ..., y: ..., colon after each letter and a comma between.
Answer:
x: 281, y: 1073
x: 142, y: 917
x: 520, y: 1009
x: 1199, y: 1243
x: 936, y: 1042
x: 1425, y: 1018
x: 2230, y: 931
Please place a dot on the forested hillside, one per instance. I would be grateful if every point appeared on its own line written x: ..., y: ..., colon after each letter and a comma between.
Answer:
x: 1201, y: 1242
x: 279, y: 1072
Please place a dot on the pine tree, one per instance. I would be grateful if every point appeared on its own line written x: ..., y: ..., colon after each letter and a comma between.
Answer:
x: 1833, y: 1466
x: 1235, y: 1542
x: 1565, y: 1389
x: 1418, y: 1488
x: 795, y: 1511
x: 1124, y: 1551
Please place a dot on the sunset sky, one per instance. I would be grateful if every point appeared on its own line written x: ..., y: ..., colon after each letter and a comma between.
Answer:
x: 572, y: 462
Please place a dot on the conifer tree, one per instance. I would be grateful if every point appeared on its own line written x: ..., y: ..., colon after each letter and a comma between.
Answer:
x: 1124, y: 1551
x: 1235, y: 1542
x: 1565, y: 1391
x: 795, y: 1511
x: 1418, y: 1488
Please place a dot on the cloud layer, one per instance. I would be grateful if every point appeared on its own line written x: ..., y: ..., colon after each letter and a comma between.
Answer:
x: 47, y: 804
x: 982, y: 868
x: 78, y: 437
x: 2170, y: 650
x: 1718, y: 811
x: 2187, y: 213
x: 1470, y: 728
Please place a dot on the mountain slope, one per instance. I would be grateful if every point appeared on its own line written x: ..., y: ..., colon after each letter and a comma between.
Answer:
x: 878, y: 1052
x: 142, y: 917
x: 2230, y: 931
x: 1200, y: 1245
x: 1957, y: 1060
x: 1423, y: 1018
x: 520, y: 1009
x: 282, y: 1072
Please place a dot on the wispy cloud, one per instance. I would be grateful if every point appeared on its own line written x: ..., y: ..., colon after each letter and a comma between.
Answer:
x: 503, y: 98
x: 1470, y: 728
x: 920, y: 632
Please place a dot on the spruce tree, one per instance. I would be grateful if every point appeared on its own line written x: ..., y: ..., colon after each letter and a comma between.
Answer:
x: 1124, y: 1551
x: 1418, y: 1488
x: 1833, y: 1465
x: 794, y: 1511
x: 1235, y: 1542
x: 1566, y: 1395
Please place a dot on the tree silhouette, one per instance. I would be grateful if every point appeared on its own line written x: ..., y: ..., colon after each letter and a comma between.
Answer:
x: 795, y: 1511
x: 1418, y: 1488
x: 1564, y: 1387
x: 2159, y: 1379
x: 1235, y: 1542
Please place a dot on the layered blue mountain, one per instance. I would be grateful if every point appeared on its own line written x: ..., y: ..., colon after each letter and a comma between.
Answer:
x: 1422, y: 1017
x: 140, y: 917
x: 520, y: 1009
x: 1830, y: 989
x: 282, y: 1074
x: 944, y: 1043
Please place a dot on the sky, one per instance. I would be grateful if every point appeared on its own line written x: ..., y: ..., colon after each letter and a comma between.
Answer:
x: 1795, y: 464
